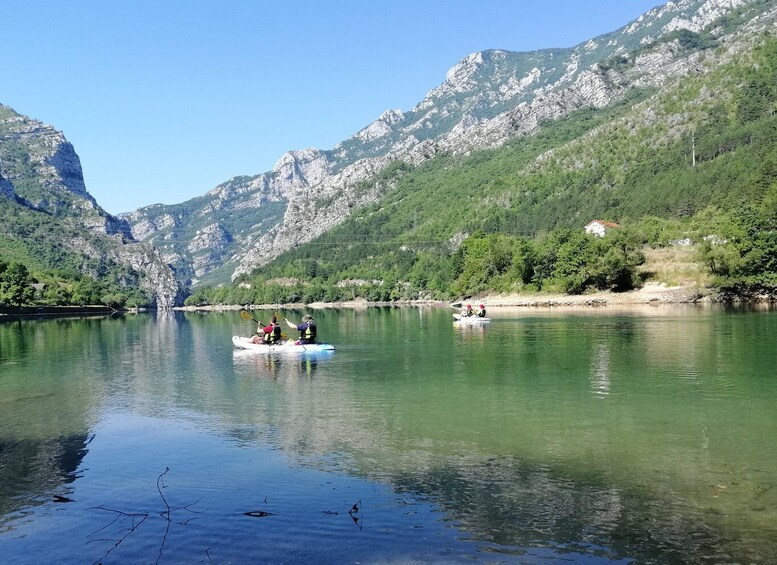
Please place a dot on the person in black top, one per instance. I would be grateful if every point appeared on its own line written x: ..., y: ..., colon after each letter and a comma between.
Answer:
x: 307, y: 329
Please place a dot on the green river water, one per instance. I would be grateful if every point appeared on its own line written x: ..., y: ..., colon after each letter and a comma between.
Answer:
x: 646, y: 435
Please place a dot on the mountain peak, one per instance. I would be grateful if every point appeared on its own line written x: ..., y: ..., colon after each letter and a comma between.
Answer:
x: 382, y: 126
x: 302, y: 167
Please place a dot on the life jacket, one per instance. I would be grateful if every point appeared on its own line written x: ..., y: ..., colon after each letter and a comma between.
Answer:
x: 273, y: 336
x: 482, y: 313
x: 309, y: 333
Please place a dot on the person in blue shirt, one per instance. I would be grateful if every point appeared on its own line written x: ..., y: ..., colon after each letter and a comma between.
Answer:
x: 307, y: 329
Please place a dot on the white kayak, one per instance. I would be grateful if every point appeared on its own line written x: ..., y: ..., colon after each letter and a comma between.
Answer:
x: 289, y: 346
x: 470, y: 319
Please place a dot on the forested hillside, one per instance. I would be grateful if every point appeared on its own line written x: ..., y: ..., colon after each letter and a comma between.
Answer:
x: 487, y: 99
x: 694, y: 162
x: 34, y: 250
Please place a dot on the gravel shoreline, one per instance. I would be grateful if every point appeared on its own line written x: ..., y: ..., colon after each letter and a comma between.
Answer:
x: 649, y: 294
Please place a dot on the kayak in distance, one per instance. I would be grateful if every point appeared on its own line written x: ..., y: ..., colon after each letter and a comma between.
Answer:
x: 470, y: 319
x: 289, y: 346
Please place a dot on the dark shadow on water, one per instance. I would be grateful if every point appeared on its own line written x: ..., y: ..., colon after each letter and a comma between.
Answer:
x: 34, y: 472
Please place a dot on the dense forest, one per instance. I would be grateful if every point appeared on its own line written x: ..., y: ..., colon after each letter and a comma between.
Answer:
x: 21, y: 287
x: 680, y: 166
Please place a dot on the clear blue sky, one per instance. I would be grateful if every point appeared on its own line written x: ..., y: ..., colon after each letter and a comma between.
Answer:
x: 165, y: 99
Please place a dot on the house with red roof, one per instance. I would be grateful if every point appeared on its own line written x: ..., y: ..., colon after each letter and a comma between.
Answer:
x: 599, y: 227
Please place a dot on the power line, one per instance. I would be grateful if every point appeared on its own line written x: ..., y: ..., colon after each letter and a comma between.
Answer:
x: 348, y: 242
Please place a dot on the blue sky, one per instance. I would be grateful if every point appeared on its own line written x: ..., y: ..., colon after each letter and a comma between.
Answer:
x: 165, y: 99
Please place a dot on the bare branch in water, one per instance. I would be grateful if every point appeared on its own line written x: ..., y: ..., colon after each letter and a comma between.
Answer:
x: 137, y: 518
x: 356, y: 509
x: 119, y: 516
x: 159, y: 480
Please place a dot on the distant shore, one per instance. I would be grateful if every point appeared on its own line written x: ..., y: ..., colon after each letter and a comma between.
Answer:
x: 650, y: 294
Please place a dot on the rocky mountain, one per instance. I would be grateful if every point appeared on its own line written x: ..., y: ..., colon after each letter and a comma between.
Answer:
x: 486, y: 100
x: 50, y: 219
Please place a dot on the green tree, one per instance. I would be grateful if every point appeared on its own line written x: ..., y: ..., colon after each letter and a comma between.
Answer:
x: 15, y: 284
x: 618, y: 256
x: 55, y: 294
x: 742, y: 250
x: 85, y: 291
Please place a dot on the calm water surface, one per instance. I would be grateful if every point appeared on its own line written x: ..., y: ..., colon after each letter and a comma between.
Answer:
x: 586, y: 437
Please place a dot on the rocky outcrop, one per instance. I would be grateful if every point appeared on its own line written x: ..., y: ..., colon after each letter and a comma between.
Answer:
x: 158, y: 279
x: 381, y: 127
x: 42, y: 149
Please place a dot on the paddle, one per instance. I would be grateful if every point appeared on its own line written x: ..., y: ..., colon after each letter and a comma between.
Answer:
x: 247, y: 316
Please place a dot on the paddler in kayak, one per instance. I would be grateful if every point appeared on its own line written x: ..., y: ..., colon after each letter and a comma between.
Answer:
x: 269, y: 334
x: 467, y: 312
x: 272, y: 333
x: 307, y: 329
x: 482, y: 311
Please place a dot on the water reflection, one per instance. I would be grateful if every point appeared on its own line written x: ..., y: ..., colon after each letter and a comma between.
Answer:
x: 503, y: 429
x: 600, y: 370
x: 518, y: 508
x: 471, y: 332
x: 280, y: 364
x: 36, y: 472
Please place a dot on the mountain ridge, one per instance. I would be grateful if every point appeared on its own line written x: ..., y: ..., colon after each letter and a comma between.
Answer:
x: 488, y: 100
x: 479, y: 105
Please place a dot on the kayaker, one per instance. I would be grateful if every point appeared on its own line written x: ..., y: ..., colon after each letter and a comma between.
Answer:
x: 272, y: 332
x: 481, y: 311
x: 269, y: 334
x: 468, y: 311
x: 307, y: 329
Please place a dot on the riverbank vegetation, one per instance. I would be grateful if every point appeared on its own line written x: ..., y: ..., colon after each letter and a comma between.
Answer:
x: 21, y: 287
